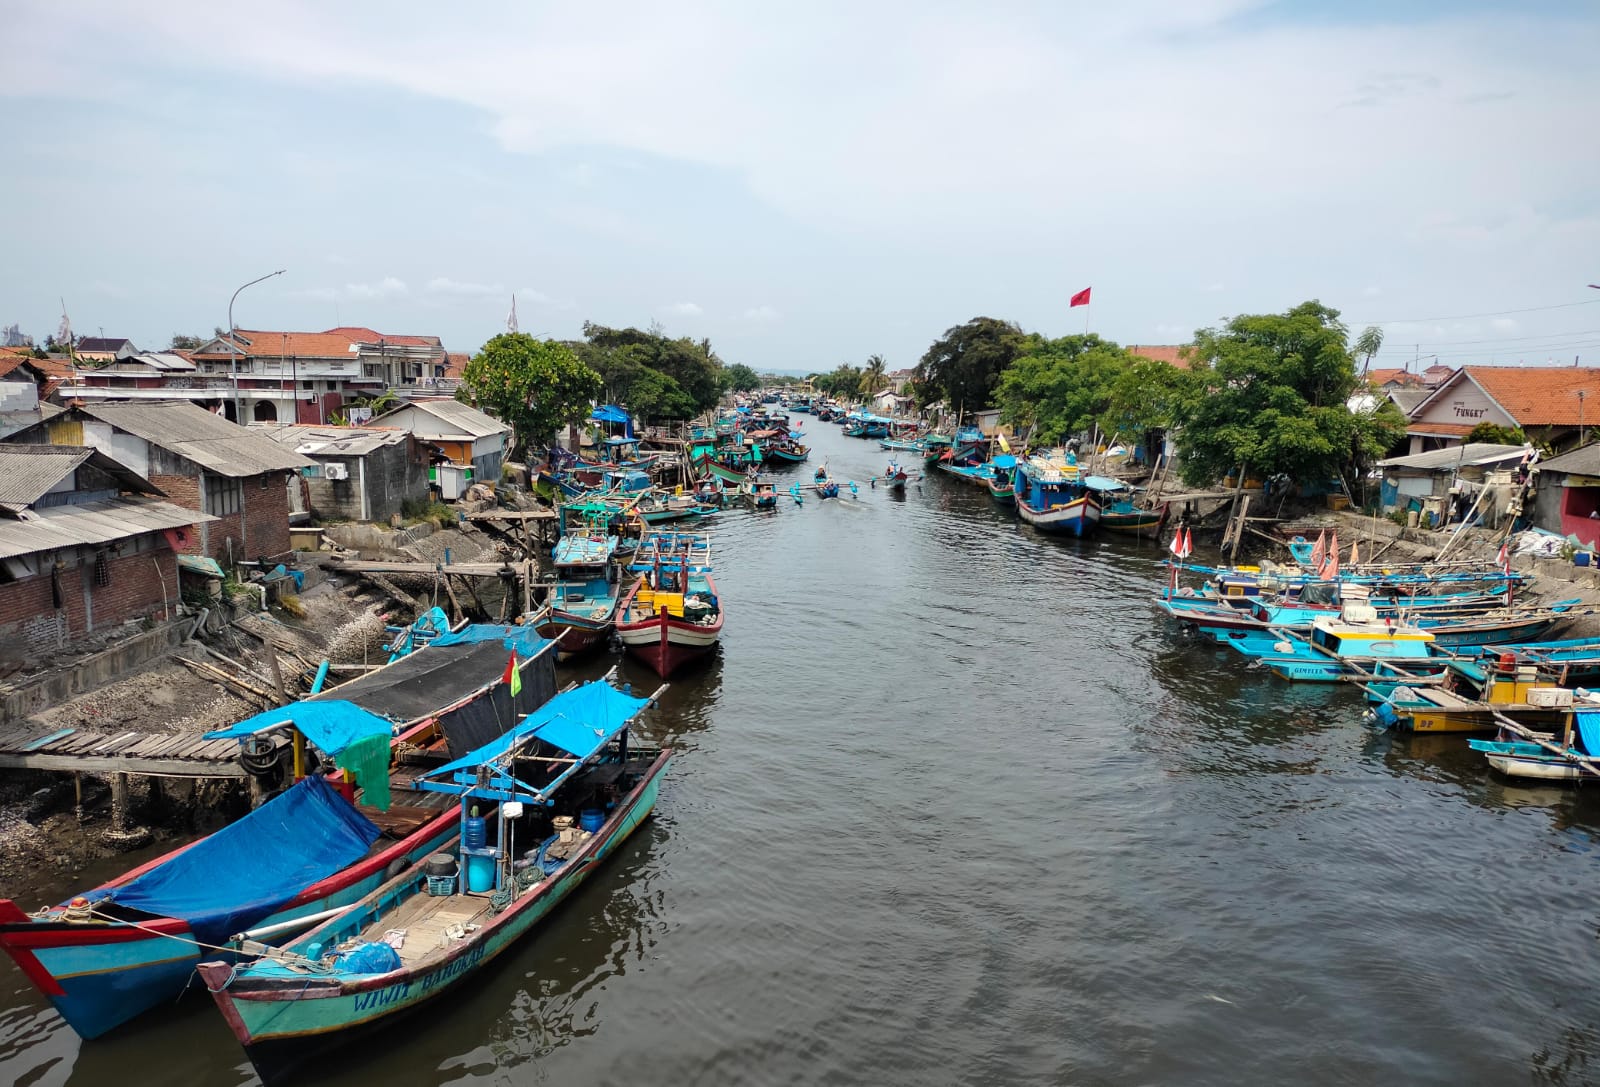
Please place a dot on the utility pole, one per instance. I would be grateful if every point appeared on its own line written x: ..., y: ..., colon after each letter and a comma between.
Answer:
x: 233, y: 347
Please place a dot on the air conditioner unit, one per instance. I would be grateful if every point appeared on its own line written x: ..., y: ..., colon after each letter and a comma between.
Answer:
x: 336, y: 471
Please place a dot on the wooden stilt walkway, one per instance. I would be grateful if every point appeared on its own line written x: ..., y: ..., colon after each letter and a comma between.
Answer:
x: 188, y: 755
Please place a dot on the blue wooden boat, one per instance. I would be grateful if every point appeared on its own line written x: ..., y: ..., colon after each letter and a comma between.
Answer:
x: 132, y: 943
x: 581, y: 608
x: 434, y: 926
x: 1522, y: 754
x: 1051, y: 496
x: 786, y: 452
x: 1339, y: 649
x: 826, y: 486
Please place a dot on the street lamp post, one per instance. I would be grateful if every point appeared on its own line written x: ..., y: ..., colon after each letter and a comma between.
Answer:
x: 233, y: 347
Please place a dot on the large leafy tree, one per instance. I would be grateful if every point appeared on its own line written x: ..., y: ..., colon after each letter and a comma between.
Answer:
x: 843, y: 380
x: 964, y: 365
x: 1061, y: 387
x: 740, y: 378
x: 537, y: 386
x: 1274, y: 399
x: 1149, y: 395
x: 620, y: 355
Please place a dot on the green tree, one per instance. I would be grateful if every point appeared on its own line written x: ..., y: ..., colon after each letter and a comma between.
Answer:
x: 1061, y: 387
x: 1274, y: 399
x: 1495, y: 434
x: 740, y: 378
x: 656, y: 397
x: 1368, y: 344
x: 843, y: 380
x: 964, y: 365
x: 875, y: 376
x: 537, y: 386
x: 180, y: 342
x: 1149, y: 395
x: 620, y: 354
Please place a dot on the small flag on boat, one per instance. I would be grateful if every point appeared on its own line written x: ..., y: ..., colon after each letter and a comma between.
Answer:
x: 1319, y: 552
x: 1081, y: 298
x: 1182, y: 544
x: 513, y: 676
x: 1504, y: 558
x: 1355, y: 557
x: 1330, y: 568
x: 1188, y: 543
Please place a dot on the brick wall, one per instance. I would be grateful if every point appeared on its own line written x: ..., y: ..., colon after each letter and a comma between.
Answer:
x: 261, y: 528
x: 31, y: 623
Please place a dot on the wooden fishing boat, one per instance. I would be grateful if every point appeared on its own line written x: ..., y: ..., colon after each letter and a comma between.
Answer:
x: 133, y: 942
x: 1120, y: 512
x: 1051, y: 497
x: 1348, y: 647
x: 894, y: 477
x: 423, y: 934
x: 786, y: 452
x: 826, y: 486
x: 1471, y: 696
x: 759, y: 494
x: 581, y: 609
x: 671, y: 615
x: 1522, y: 753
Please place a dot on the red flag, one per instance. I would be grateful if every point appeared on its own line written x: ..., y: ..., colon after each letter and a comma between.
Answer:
x: 1081, y: 298
x: 1177, y: 544
x: 1188, y: 543
x: 1319, y: 552
x: 1504, y: 558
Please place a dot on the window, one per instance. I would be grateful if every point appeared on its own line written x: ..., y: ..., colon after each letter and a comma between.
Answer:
x: 223, y: 496
x: 369, y: 370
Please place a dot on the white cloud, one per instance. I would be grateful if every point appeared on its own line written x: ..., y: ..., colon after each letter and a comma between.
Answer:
x: 534, y: 296
x: 445, y: 285
x: 387, y: 287
x: 761, y: 313
x: 1503, y: 324
x: 683, y: 309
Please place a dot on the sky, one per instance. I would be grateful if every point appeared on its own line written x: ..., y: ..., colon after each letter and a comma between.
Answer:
x: 808, y: 184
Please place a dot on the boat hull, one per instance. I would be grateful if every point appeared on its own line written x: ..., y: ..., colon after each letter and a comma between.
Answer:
x: 785, y: 456
x: 283, y: 1023
x: 100, y: 975
x: 579, y: 634
x: 1075, y: 518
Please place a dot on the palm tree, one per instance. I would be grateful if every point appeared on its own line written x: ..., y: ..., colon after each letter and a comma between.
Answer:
x: 1367, y: 345
x: 874, y: 377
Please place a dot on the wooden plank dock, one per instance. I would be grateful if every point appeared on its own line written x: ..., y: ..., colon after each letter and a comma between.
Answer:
x: 188, y: 755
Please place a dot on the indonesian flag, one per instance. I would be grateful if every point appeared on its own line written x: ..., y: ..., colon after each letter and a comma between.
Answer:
x: 513, y: 675
x: 1081, y: 298
x: 1188, y: 543
x: 1504, y: 558
x: 1319, y: 552
x: 1182, y: 544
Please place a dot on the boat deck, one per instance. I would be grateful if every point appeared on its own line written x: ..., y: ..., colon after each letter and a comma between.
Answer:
x: 429, y: 923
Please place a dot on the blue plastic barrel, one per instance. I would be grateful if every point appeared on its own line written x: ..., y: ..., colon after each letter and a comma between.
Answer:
x: 473, y: 838
x: 591, y: 819
x: 480, y: 873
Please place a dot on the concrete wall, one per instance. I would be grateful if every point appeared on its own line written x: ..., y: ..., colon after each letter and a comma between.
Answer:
x: 31, y: 624
x: 378, y: 484
x: 61, y: 684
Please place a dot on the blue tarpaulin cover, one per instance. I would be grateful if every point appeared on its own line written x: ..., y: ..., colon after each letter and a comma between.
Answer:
x: 524, y: 640
x: 332, y: 725
x: 1589, y: 732
x: 609, y: 413
x: 579, y: 722
x: 1104, y: 483
x: 227, y: 882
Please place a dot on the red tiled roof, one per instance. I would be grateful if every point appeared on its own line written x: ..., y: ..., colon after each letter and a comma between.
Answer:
x: 10, y: 362
x: 332, y: 344
x: 1441, y: 430
x: 1542, y: 395
x: 1171, y: 354
x: 1397, y: 374
x: 454, y: 362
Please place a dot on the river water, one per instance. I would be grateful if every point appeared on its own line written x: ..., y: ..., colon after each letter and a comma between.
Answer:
x: 954, y: 807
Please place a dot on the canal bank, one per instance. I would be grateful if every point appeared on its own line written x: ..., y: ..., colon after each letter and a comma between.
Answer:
x: 954, y: 806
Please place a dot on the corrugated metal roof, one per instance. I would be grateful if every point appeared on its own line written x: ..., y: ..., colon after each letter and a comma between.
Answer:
x: 455, y: 419
x: 28, y: 471
x: 1579, y: 462
x: 54, y: 527
x: 1475, y: 454
x: 322, y: 441
x: 196, y: 434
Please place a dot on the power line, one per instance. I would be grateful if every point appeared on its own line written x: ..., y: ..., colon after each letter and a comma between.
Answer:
x: 1521, y: 352
x: 1465, y: 316
x: 1501, y: 339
